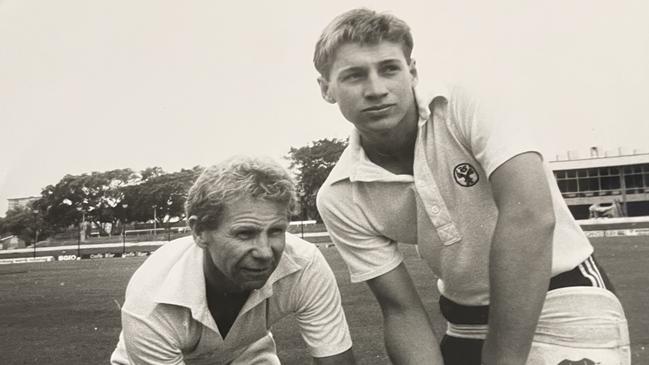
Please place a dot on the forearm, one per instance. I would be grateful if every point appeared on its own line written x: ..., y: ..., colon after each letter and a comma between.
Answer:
x: 409, y: 338
x: 520, y: 270
x: 344, y: 358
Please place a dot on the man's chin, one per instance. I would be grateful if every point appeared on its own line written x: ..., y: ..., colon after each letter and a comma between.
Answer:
x: 378, y: 126
x: 254, y: 285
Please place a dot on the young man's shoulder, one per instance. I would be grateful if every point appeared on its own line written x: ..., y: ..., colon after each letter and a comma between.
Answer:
x: 343, y: 169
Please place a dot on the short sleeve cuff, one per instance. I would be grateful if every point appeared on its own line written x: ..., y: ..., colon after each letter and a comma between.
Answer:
x: 505, y: 156
x: 360, y: 277
x: 343, y: 346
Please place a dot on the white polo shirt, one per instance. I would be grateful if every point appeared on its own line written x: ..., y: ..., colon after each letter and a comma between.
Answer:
x: 166, y: 320
x: 446, y: 206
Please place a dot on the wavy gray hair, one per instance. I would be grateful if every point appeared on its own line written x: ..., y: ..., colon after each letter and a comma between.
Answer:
x: 238, y: 176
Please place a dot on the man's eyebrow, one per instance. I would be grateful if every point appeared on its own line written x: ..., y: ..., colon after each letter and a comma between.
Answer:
x: 389, y: 61
x: 352, y: 69
x: 244, y: 226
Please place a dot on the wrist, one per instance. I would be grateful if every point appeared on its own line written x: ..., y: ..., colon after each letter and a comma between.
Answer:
x: 501, y: 354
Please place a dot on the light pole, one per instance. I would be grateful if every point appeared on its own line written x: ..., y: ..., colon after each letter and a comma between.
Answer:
x: 82, y: 226
x: 303, y: 211
x: 35, y: 211
x: 124, y: 206
x: 169, y: 202
x: 154, y: 219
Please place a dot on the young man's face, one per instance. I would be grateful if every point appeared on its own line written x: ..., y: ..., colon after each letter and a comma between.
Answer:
x: 372, y: 85
x: 248, y: 244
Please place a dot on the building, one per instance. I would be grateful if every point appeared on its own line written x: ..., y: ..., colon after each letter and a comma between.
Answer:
x: 11, y: 242
x: 20, y: 202
x: 621, y: 181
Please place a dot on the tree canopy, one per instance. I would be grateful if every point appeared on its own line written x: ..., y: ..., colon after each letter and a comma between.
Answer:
x: 25, y: 222
x: 116, y: 196
x: 111, y: 198
x: 165, y: 193
x: 312, y: 164
x: 93, y: 197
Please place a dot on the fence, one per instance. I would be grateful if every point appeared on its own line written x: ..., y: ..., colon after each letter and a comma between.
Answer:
x: 133, y: 242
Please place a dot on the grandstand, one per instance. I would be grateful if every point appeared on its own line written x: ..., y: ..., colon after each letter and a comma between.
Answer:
x: 605, y: 180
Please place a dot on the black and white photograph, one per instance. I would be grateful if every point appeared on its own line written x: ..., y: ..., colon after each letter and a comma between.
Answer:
x: 324, y: 182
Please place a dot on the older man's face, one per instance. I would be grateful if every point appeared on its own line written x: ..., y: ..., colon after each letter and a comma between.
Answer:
x: 249, y: 242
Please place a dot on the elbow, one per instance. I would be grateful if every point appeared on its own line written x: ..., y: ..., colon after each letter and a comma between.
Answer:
x: 542, y: 218
x: 549, y: 220
x: 545, y: 222
x: 539, y: 222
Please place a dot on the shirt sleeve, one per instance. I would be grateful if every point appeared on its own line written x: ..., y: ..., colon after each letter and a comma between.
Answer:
x: 366, y: 253
x: 493, y: 130
x: 319, y: 310
x: 143, y: 343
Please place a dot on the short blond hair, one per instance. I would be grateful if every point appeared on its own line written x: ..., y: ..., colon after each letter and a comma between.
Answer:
x: 363, y: 26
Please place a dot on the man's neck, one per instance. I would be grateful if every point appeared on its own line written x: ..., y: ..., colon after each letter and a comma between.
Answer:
x: 394, y: 150
x: 216, y: 281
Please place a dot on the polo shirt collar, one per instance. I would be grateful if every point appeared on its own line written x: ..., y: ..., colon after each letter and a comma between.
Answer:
x: 354, y: 163
x: 357, y: 167
x: 184, y: 285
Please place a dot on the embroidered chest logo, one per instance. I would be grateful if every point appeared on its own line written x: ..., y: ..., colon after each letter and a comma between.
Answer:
x: 465, y: 175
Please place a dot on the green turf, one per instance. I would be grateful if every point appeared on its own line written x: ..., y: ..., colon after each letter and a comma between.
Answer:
x: 67, y: 312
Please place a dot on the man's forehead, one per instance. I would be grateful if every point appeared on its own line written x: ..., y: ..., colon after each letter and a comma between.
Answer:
x: 357, y: 54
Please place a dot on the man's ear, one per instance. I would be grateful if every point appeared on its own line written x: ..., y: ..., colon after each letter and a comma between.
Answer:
x: 325, y: 90
x: 412, y: 67
x: 198, y: 237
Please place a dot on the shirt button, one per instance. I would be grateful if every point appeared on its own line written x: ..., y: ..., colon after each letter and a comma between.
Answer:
x: 435, y: 209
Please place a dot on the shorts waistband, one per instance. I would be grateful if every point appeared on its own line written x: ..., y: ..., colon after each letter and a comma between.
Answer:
x: 588, y: 273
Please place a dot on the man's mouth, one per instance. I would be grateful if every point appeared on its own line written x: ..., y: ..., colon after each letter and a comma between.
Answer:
x: 378, y: 108
x: 256, y: 270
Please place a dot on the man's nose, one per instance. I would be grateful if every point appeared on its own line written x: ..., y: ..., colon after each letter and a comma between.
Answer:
x: 263, y: 248
x: 375, y: 86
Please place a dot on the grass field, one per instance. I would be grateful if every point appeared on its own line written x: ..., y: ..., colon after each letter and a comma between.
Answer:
x: 67, y: 312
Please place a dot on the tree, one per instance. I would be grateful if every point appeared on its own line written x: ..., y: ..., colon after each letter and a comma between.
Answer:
x: 164, y: 193
x: 150, y: 172
x: 312, y: 164
x: 27, y: 223
x: 91, y: 197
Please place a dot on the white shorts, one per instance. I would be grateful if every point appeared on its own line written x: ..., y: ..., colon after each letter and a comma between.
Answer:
x: 578, y: 326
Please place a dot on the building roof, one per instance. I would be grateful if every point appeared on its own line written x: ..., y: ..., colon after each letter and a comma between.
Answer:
x: 594, y: 162
x: 24, y: 198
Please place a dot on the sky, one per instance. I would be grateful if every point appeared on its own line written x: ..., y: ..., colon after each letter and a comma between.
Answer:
x: 99, y: 85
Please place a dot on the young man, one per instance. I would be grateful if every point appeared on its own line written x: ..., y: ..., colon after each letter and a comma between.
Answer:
x: 518, y: 283
x: 212, y: 298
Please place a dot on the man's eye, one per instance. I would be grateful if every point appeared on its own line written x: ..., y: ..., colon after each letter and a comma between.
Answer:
x: 390, y: 69
x: 244, y: 235
x: 352, y: 77
x: 277, y: 232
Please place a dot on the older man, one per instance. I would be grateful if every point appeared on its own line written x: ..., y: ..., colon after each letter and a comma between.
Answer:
x: 212, y: 298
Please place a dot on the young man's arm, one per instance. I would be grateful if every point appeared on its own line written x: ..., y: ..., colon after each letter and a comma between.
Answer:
x: 409, y: 337
x: 520, y: 258
x: 346, y: 357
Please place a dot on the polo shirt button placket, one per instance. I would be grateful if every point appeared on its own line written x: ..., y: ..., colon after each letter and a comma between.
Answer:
x: 435, y: 209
